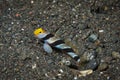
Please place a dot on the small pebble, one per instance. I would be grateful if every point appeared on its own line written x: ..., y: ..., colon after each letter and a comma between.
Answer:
x: 61, y: 71
x: 54, y: 1
x: 92, y: 38
x: 59, y: 74
x: 76, y: 16
x: 9, y: 28
x: 73, y: 9
x: 103, y: 66
x: 117, y: 68
x: 82, y: 27
x: 21, y: 41
x: 87, y: 56
x: 9, y: 9
x: 32, y: 2
x: 46, y: 75
x: 105, y: 8
x: 101, y: 31
x: 107, y: 18
x: 107, y: 59
x: 93, y: 64
x: 37, y: 57
x: 33, y: 66
x: 108, y: 78
x: 1, y: 44
x: 115, y: 54
x: 75, y: 78
x: 90, y: 45
x: 12, y: 22
x: 74, y: 22
x: 22, y: 29
x: 17, y: 15
x: 4, y: 69
x: 99, y: 50
x: 101, y: 73
x: 17, y: 22
x: 49, y: 61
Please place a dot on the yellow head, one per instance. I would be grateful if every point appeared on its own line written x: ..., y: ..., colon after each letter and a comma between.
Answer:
x: 38, y: 31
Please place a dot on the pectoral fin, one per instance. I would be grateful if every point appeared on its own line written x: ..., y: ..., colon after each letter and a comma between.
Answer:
x: 47, y: 48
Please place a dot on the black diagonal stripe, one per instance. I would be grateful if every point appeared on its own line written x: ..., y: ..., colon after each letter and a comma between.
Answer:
x: 68, y: 50
x: 47, y: 36
x: 58, y: 42
x: 76, y: 58
x: 73, y: 66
